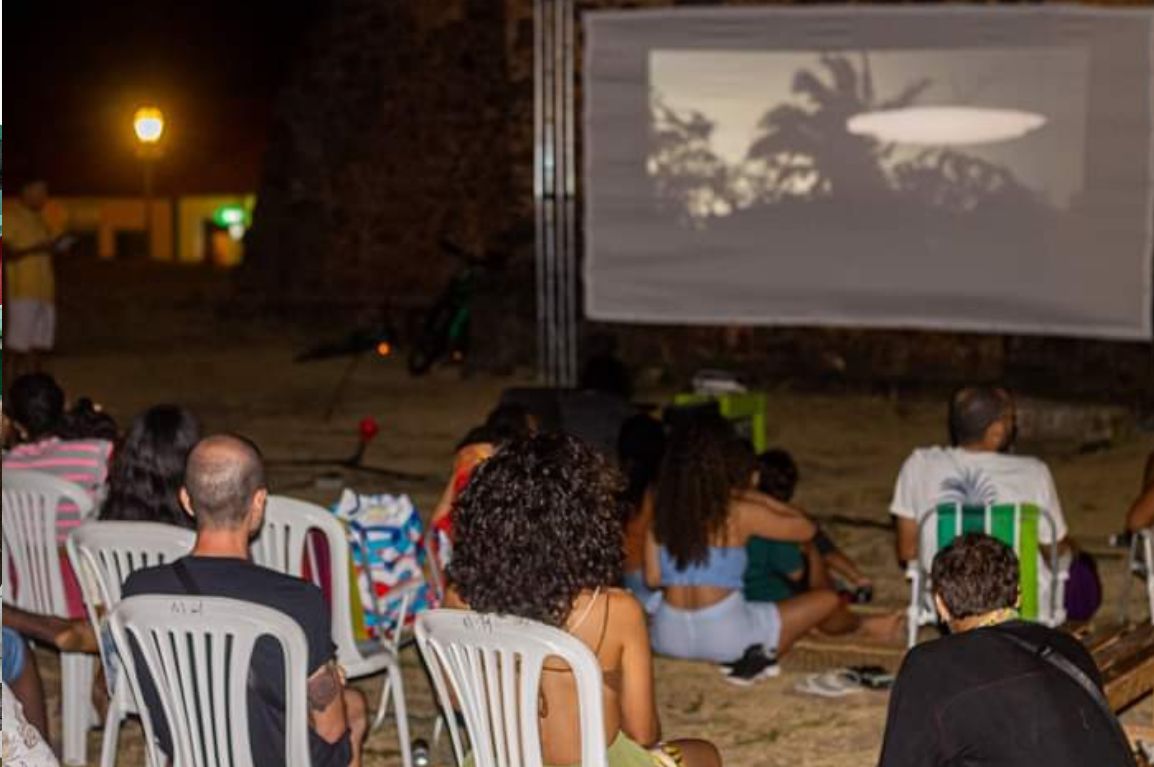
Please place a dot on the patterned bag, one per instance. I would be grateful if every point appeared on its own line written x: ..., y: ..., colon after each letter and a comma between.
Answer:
x: 385, y: 538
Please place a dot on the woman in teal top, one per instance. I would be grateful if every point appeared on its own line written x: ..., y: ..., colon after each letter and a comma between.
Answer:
x: 696, y: 555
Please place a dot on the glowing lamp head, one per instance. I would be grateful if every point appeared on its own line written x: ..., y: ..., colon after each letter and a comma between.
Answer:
x: 384, y: 348
x: 148, y: 123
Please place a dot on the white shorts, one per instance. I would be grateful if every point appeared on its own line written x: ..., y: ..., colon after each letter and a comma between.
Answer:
x: 29, y: 325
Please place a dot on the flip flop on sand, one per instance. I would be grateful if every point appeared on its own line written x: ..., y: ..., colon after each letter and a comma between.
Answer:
x: 831, y: 684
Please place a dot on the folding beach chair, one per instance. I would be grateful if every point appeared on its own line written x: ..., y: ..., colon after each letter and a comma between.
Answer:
x: 1014, y: 524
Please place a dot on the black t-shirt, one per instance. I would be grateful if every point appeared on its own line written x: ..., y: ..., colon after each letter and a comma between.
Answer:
x: 977, y: 698
x: 300, y: 600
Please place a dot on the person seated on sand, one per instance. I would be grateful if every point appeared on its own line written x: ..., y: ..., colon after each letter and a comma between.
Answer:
x: 996, y: 691
x: 696, y: 555
x: 539, y: 537
x: 640, y: 448
x: 979, y: 468
x: 779, y: 570
x: 785, y: 566
x: 1141, y: 514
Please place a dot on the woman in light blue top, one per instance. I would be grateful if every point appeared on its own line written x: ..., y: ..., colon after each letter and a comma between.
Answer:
x: 696, y: 555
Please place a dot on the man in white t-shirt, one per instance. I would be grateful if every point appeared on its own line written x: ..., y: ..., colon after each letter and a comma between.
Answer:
x: 977, y: 470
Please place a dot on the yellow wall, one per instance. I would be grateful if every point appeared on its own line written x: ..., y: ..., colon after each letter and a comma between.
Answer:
x: 107, y: 215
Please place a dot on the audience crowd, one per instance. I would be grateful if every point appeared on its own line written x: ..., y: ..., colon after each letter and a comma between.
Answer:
x: 682, y: 542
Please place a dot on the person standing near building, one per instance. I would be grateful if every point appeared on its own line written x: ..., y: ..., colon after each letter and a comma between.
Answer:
x: 30, y: 284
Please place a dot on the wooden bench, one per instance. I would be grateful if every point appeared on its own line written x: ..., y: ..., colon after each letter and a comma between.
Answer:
x: 1125, y: 656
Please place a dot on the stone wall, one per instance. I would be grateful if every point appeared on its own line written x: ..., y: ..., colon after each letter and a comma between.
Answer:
x: 391, y: 134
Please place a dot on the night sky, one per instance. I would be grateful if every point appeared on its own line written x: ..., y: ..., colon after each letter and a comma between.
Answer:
x: 75, y: 71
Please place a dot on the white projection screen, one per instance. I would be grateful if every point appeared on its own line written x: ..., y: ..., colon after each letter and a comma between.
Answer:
x: 959, y: 168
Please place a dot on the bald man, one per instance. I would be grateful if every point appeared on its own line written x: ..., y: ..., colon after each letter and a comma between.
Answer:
x: 225, y: 492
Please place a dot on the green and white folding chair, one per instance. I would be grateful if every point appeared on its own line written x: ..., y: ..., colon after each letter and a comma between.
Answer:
x: 1014, y: 524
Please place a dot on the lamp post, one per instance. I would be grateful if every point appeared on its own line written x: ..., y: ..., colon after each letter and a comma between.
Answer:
x: 148, y: 124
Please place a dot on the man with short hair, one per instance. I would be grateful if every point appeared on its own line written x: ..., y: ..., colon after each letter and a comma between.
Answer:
x: 29, y: 284
x: 225, y: 492
x: 978, y: 469
x: 998, y: 691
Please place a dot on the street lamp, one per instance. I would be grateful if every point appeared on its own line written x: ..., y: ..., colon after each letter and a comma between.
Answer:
x: 148, y: 124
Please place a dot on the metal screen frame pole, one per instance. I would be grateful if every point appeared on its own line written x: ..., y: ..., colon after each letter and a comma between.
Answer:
x: 554, y: 190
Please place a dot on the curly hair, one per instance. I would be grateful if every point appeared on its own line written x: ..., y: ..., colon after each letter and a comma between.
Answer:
x: 148, y: 470
x: 693, y: 489
x: 976, y: 574
x: 538, y: 524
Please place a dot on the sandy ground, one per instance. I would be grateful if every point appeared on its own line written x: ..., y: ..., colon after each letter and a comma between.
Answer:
x: 849, y: 447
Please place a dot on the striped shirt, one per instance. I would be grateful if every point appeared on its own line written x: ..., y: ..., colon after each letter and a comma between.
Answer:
x: 83, y: 461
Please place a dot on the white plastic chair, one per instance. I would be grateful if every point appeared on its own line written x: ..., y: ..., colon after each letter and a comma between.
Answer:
x: 921, y: 611
x: 103, y: 555
x: 491, y: 666
x: 438, y: 560
x: 197, y: 651
x: 30, y: 503
x: 283, y: 544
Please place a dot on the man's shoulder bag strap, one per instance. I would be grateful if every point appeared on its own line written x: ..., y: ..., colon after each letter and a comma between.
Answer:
x: 1070, y: 669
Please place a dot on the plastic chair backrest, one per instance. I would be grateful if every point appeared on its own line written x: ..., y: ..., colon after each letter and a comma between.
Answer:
x: 491, y: 665
x: 436, y: 549
x: 283, y: 544
x: 104, y: 554
x: 1014, y: 524
x: 197, y: 652
x: 30, y: 502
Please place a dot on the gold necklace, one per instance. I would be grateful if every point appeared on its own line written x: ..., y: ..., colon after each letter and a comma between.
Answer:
x: 998, y: 616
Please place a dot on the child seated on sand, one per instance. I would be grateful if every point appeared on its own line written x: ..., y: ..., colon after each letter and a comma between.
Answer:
x: 779, y: 570
x: 538, y: 536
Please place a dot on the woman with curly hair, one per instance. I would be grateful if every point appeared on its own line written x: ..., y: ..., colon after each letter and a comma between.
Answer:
x: 148, y: 470
x: 539, y: 537
x: 696, y: 554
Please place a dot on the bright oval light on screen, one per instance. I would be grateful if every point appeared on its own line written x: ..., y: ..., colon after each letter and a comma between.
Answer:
x: 944, y: 126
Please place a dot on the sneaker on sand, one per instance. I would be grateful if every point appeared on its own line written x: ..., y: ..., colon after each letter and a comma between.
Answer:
x: 751, y: 667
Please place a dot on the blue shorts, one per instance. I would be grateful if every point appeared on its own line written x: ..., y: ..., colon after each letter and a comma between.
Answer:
x: 718, y: 633
x: 15, y: 655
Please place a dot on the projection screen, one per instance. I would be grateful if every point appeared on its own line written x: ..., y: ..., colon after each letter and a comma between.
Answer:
x: 961, y: 168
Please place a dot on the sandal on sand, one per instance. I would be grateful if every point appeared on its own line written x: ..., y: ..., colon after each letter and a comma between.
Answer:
x: 831, y: 684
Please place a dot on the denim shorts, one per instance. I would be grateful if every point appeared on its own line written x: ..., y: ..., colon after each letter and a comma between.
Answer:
x: 718, y: 633
x: 15, y: 655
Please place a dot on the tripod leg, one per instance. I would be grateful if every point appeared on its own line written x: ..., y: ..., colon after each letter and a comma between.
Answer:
x: 342, y: 384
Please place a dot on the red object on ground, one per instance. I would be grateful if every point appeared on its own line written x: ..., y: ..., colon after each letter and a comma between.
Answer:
x: 369, y: 428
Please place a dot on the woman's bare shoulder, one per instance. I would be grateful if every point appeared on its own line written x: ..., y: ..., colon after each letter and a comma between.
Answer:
x: 623, y: 606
